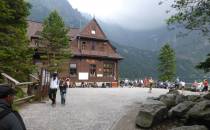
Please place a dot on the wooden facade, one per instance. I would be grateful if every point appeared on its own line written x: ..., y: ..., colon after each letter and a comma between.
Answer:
x: 94, y: 59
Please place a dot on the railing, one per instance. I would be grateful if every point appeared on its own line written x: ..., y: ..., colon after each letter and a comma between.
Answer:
x: 30, y: 89
x: 99, y: 53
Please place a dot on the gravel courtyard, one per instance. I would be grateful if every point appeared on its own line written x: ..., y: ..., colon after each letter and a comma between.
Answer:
x: 86, y: 109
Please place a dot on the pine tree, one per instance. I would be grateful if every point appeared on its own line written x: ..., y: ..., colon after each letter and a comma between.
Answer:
x: 167, y: 63
x: 15, y: 55
x: 54, y: 37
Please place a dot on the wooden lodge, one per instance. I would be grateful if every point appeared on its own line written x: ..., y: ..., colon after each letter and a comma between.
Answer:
x: 94, y: 61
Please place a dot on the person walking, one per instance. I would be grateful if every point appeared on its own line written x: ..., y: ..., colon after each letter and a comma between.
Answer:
x: 63, y: 89
x: 9, y: 119
x: 68, y: 82
x: 150, y: 84
x: 54, y: 83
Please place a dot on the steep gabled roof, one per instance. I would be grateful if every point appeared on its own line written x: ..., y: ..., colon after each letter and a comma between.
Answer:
x: 73, y: 33
x: 93, y: 30
x: 34, y: 29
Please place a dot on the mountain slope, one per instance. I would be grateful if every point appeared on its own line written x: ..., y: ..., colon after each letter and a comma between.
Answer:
x: 140, y: 63
x: 139, y: 48
x: 41, y: 9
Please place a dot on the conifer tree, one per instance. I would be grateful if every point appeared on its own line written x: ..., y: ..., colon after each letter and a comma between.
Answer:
x: 194, y: 15
x: 15, y: 55
x: 167, y: 63
x: 54, y: 37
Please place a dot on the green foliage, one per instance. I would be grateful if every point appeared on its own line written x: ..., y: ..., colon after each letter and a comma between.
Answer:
x: 55, y: 39
x: 205, y: 65
x: 139, y: 63
x: 167, y: 65
x: 15, y: 55
x: 15, y: 107
x: 193, y: 15
x: 20, y: 93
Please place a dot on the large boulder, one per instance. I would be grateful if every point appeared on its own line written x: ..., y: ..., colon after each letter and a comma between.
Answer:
x: 207, y: 96
x: 173, y: 91
x: 194, y: 98
x: 153, y: 98
x: 193, y: 127
x: 200, y: 113
x: 168, y: 100
x: 151, y: 113
x: 180, y: 99
x: 180, y: 109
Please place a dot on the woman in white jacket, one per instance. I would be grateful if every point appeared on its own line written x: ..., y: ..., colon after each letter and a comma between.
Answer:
x: 54, y: 83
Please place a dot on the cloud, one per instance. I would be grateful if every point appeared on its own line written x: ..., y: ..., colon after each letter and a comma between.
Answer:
x: 131, y: 14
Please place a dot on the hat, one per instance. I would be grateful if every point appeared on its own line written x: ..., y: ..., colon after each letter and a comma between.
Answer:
x: 6, y: 90
x: 54, y: 74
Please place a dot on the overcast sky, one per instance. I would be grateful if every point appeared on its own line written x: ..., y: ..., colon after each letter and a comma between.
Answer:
x: 132, y: 14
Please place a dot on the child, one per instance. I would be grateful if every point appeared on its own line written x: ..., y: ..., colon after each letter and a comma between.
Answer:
x: 63, y: 89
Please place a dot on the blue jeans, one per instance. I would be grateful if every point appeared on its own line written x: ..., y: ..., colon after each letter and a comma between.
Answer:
x: 63, y: 97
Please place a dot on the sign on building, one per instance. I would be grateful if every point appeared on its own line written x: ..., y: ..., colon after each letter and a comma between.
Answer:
x: 83, y: 76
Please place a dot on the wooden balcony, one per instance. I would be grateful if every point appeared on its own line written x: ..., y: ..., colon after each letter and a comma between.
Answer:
x: 96, y: 54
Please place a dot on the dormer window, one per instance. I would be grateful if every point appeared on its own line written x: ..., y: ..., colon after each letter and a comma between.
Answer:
x: 93, y: 32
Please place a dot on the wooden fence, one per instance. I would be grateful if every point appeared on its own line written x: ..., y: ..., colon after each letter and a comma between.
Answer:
x: 36, y: 89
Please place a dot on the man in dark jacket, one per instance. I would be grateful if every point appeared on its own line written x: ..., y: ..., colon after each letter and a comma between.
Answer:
x: 9, y: 119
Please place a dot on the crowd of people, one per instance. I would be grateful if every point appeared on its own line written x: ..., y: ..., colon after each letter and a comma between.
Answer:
x: 177, y: 84
x: 146, y: 82
x: 200, y: 86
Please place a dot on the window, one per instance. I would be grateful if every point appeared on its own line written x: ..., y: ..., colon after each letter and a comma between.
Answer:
x: 36, y: 55
x: 83, y: 45
x: 93, y: 32
x: 73, y: 69
x: 108, y: 70
x: 93, y: 45
x: 92, y: 70
x: 36, y: 42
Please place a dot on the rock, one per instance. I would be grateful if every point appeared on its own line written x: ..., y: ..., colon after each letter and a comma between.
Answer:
x: 161, y: 96
x: 172, y: 91
x: 207, y: 96
x: 180, y: 99
x: 153, y: 98
x: 169, y: 100
x: 200, y: 113
x: 194, y: 98
x: 151, y: 113
x: 193, y: 127
x: 180, y: 109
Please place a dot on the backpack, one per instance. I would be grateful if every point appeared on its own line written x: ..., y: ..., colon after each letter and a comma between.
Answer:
x: 4, y: 112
